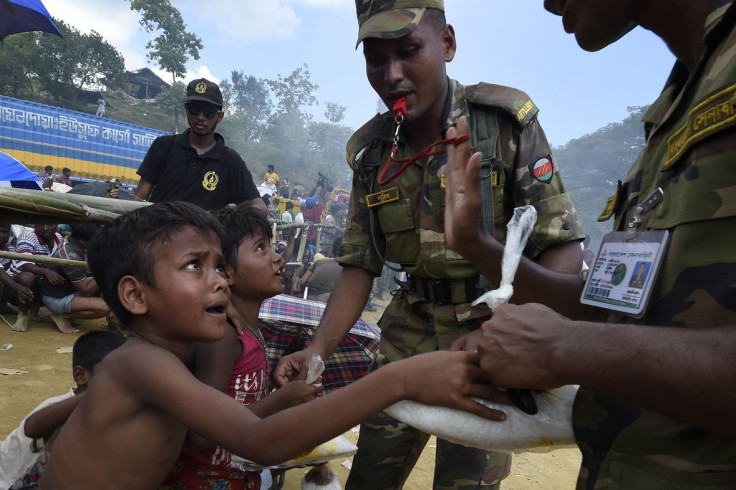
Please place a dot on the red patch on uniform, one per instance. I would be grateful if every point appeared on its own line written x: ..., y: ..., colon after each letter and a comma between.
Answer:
x: 542, y: 170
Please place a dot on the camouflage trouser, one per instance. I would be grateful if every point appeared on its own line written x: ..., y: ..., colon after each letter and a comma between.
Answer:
x: 389, y: 449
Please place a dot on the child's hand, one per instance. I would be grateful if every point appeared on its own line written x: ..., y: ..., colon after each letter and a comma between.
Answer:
x: 296, y: 393
x: 291, y: 367
x: 449, y: 379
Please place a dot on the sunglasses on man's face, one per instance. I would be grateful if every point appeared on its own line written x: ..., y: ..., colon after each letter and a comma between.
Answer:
x: 209, y: 111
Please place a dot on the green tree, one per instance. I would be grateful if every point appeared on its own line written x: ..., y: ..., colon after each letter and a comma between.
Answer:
x: 169, y: 99
x: 247, y: 104
x: 66, y: 66
x: 174, y: 45
x: 18, y: 57
x: 294, y: 92
x: 335, y: 112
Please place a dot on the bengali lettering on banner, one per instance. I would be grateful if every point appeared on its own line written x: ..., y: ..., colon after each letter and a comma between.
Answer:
x: 32, y: 116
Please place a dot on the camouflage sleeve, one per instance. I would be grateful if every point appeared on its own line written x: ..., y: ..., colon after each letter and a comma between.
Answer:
x: 357, y: 245
x: 537, y: 181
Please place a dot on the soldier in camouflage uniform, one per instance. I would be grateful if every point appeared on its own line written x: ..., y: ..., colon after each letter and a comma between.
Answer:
x: 656, y: 406
x: 403, y: 222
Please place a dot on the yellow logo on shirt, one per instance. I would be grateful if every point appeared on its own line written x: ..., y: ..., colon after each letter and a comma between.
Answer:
x: 210, y: 180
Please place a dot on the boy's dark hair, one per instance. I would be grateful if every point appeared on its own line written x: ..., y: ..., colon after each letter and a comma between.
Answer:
x: 48, y: 168
x: 289, y: 205
x: 128, y: 245
x: 240, y: 222
x: 336, y: 246
x: 84, y: 231
x: 91, y: 347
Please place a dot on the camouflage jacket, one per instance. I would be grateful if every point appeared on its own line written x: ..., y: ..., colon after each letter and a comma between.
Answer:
x: 690, y: 154
x: 408, y: 213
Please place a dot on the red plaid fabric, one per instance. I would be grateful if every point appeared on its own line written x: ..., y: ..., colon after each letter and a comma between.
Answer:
x: 288, y: 324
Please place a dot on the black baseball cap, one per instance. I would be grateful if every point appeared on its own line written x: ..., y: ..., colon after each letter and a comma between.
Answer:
x: 203, y: 90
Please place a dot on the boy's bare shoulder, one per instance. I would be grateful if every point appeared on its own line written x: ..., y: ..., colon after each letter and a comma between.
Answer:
x: 138, y: 361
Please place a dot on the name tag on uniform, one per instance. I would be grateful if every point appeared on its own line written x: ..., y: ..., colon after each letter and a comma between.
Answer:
x: 624, y: 272
x: 383, y: 197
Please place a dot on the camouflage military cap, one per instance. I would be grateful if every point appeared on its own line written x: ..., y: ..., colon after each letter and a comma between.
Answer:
x: 390, y: 19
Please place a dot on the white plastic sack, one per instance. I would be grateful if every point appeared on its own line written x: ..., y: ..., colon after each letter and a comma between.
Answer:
x: 550, y: 428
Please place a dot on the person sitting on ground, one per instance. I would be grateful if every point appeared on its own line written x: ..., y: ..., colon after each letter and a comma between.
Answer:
x: 10, y: 291
x: 23, y: 454
x: 162, y: 272
x: 322, y: 275
x: 237, y: 364
x: 43, y: 240
x: 78, y: 296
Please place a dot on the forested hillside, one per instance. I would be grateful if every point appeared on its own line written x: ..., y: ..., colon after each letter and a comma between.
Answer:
x: 592, y: 164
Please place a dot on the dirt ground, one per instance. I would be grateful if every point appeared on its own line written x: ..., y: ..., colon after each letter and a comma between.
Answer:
x: 38, y: 366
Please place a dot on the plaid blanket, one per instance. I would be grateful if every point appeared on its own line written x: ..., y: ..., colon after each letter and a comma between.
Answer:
x: 288, y: 324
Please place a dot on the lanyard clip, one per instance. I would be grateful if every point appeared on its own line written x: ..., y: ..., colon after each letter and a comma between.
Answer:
x: 399, y: 109
x: 647, y: 205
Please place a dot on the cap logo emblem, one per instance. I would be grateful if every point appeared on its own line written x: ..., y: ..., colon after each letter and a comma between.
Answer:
x: 201, y: 88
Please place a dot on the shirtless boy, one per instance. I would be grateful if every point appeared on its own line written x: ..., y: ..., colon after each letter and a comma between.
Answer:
x: 162, y: 272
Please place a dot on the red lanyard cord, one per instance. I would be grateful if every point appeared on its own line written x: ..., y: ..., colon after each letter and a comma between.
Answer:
x: 399, y: 109
x: 427, y: 152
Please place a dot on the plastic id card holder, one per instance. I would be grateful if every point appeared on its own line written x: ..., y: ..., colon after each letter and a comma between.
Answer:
x: 624, y: 272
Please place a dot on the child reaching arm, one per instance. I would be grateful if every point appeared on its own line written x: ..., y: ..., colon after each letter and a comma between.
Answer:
x: 161, y: 270
x: 237, y: 364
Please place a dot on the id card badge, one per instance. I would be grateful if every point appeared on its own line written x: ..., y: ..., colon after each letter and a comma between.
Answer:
x: 625, y: 270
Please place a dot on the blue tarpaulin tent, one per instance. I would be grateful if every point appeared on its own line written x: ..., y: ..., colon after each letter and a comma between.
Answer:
x: 15, y: 174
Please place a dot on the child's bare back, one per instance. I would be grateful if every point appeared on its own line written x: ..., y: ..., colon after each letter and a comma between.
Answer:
x: 118, y: 427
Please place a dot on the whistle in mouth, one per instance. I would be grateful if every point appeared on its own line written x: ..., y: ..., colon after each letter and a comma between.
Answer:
x: 400, y: 106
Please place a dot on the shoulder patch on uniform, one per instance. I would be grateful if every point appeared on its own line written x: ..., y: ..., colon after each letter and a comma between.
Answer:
x: 514, y: 101
x: 713, y: 114
x: 367, y: 133
x: 542, y: 170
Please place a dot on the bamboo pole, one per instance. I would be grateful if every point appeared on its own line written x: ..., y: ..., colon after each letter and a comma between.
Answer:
x: 43, y: 259
x: 29, y: 206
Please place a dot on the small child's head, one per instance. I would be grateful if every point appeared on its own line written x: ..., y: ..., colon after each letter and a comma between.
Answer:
x: 246, y: 246
x: 89, y: 349
x: 129, y: 246
x: 83, y: 232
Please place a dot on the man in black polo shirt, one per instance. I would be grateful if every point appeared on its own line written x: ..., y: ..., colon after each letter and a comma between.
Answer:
x: 196, y: 166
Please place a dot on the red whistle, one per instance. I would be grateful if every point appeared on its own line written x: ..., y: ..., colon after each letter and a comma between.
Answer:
x: 400, y: 106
